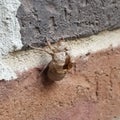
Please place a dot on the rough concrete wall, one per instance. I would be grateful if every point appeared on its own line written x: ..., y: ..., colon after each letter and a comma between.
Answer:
x: 53, y: 19
x: 10, y: 38
x: 66, y: 18
x: 86, y: 93
x: 90, y: 90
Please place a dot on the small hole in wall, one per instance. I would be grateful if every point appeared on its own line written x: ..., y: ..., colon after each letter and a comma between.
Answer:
x: 23, y: 25
x: 88, y: 88
x: 7, y: 18
x: 87, y: 54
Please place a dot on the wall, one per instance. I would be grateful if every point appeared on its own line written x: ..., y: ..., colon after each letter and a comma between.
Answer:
x: 66, y: 18
x: 36, y: 16
x: 10, y: 38
x: 89, y: 91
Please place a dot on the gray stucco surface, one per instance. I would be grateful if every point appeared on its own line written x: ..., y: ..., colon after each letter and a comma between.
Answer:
x: 66, y: 18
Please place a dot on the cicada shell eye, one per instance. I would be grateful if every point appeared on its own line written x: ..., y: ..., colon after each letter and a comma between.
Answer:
x: 70, y: 65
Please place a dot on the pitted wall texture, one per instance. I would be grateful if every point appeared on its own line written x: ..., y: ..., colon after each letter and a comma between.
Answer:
x: 10, y: 38
x: 86, y: 93
x: 66, y: 18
